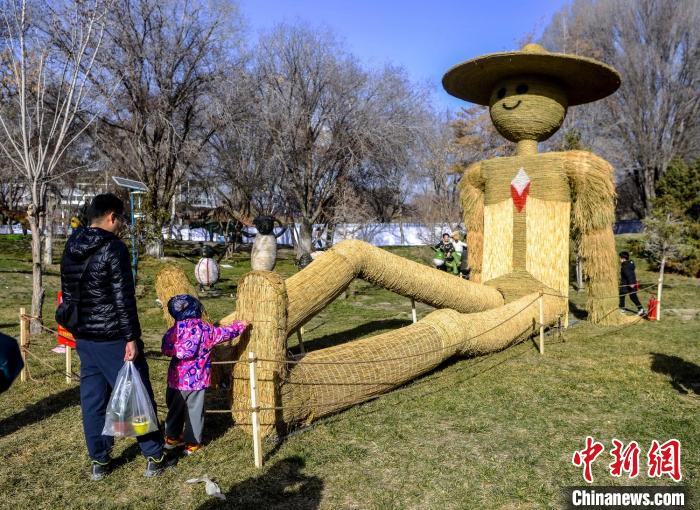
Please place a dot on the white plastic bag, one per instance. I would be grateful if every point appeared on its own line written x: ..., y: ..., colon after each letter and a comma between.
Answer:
x: 129, y: 412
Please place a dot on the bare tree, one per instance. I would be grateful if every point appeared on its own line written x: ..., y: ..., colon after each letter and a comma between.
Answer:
x: 50, y: 50
x: 327, y: 117
x: 655, y: 45
x: 246, y: 175
x: 161, y: 59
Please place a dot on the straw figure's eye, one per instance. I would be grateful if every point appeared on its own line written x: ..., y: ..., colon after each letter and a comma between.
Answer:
x: 501, y: 93
x: 522, y: 88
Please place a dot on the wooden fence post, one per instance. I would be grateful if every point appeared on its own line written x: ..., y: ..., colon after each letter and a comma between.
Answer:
x: 69, y: 363
x: 413, y: 310
x: 541, y: 323
x: 23, y: 342
x: 300, y: 339
x: 257, y: 447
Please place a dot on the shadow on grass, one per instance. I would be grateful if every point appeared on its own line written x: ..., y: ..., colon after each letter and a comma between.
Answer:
x: 354, y: 333
x: 41, y: 410
x: 685, y: 376
x: 579, y: 313
x: 283, y: 485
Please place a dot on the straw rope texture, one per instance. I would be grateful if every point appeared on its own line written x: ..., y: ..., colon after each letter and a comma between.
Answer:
x: 261, y: 300
x: 538, y: 114
x: 593, y: 214
x: 471, y: 197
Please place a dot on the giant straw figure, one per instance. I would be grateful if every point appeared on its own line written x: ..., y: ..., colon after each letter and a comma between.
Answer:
x: 519, y: 210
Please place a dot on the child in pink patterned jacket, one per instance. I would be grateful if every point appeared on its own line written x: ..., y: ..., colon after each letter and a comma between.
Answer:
x: 190, y: 342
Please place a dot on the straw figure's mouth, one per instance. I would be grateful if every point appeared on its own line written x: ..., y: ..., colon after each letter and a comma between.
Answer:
x: 512, y: 107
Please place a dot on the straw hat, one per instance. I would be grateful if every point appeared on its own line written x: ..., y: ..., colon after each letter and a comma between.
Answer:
x: 457, y: 235
x: 584, y: 79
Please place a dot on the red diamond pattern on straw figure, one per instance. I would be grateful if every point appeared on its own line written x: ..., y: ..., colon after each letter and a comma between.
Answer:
x: 519, y: 189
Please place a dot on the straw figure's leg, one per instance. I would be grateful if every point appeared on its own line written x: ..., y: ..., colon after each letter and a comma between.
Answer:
x: 471, y: 194
x: 331, y: 379
x: 313, y: 288
x: 593, y: 215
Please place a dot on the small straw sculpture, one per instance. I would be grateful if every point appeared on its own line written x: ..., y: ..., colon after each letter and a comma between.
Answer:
x: 170, y: 281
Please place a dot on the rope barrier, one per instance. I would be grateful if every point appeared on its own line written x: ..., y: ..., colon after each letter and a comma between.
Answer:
x: 72, y: 375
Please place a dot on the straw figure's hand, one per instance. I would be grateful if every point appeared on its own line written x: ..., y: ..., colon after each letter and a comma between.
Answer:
x: 593, y: 216
x: 471, y: 195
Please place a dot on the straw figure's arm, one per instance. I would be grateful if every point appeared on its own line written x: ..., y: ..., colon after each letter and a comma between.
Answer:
x: 471, y: 195
x: 593, y: 215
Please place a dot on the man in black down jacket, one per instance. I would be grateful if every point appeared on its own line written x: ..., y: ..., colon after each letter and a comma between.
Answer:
x: 108, y: 331
x: 628, y: 282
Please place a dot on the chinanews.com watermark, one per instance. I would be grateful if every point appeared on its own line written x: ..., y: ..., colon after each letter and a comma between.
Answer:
x: 662, y: 460
x: 666, y: 498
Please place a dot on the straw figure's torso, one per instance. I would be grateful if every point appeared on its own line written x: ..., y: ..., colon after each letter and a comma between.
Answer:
x: 527, y: 206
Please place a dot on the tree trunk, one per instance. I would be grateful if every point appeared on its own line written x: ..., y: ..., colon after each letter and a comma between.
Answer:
x: 48, y: 235
x: 155, y: 248
x: 37, y: 274
x: 305, y: 232
x: 330, y: 234
x: 154, y: 245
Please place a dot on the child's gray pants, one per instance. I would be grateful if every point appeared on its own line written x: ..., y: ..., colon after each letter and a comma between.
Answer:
x: 185, y: 408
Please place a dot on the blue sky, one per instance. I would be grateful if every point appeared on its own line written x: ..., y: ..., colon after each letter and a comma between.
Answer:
x: 426, y: 38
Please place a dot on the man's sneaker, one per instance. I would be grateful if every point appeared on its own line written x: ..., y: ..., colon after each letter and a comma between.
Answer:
x: 191, y: 448
x: 154, y: 466
x: 172, y: 442
x: 641, y: 312
x: 99, y: 470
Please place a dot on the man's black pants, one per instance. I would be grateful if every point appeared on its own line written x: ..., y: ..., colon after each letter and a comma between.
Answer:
x: 99, y: 364
x: 632, y: 292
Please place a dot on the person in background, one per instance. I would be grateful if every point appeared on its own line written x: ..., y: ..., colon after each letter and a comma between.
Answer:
x: 457, y: 242
x: 96, y: 276
x: 463, y: 250
x: 628, y: 282
x: 447, y: 249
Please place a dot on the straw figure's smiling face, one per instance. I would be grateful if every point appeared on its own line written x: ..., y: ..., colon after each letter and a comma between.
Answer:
x: 527, y: 108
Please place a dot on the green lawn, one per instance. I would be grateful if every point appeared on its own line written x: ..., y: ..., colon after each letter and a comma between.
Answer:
x: 491, y: 432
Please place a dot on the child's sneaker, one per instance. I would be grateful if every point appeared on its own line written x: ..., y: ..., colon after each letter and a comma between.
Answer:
x: 172, y: 442
x: 191, y: 448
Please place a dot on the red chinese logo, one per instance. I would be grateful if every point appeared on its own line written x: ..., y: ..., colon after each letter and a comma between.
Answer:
x: 625, y: 460
x: 665, y: 459
x: 586, y: 457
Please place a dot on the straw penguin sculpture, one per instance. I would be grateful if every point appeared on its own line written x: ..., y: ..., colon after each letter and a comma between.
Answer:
x: 518, y: 211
